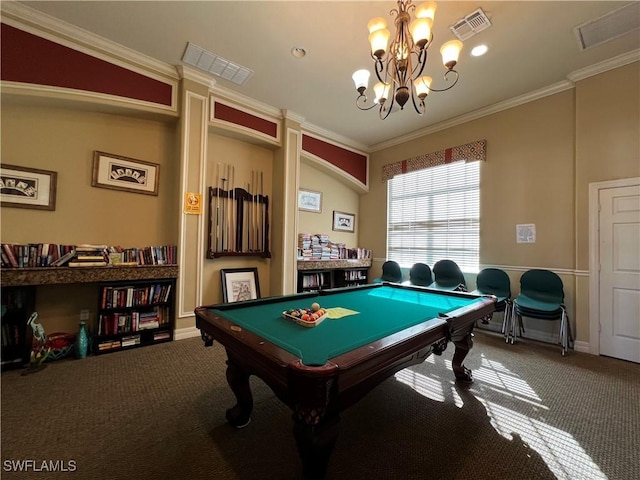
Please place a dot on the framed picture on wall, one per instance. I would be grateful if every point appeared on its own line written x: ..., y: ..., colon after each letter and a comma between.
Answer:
x: 23, y: 187
x: 310, y: 201
x: 239, y: 284
x: 343, y: 222
x: 126, y: 174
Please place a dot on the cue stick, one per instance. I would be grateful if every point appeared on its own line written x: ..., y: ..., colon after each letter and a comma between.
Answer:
x: 263, y: 216
x: 232, y: 222
x: 223, y: 214
x: 254, y: 184
x: 248, y: 217
x: 227, y: 213
x: 217, y: 226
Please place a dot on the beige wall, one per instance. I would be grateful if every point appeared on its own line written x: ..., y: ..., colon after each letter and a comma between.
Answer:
x: 245, y: 157
x: 335, y: 196
x: 541, y: 156
x: 63, y: 141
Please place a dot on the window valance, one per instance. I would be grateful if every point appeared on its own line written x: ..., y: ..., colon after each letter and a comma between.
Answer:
x: 469, y: 152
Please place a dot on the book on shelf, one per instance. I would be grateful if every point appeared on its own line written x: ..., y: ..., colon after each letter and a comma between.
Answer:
x: 87, y: 264
x: 61, y: 261
x: 33, y: 255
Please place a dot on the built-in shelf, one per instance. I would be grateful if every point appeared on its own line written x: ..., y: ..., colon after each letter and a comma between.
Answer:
x: 15, y: 277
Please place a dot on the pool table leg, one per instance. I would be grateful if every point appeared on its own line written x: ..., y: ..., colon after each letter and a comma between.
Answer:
x: 238, y: 379
x: 463, y: 346
x: 315, y: 423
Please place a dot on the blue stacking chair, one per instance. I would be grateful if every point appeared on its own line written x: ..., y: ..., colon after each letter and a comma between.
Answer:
x: 420, y: 275
x: 493, y: 281
x: 542, y: 297
x: 448, y: 276
x: 390, y: 273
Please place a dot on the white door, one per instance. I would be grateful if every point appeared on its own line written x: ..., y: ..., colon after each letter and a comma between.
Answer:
x: 619, y: 221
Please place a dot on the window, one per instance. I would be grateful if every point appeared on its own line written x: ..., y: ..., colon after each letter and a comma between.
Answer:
x: 434, y: 214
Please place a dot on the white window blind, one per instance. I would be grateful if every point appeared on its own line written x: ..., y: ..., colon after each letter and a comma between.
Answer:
x: 434, y: 214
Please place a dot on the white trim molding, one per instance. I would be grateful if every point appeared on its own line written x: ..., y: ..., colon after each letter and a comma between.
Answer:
x: 594, y: 256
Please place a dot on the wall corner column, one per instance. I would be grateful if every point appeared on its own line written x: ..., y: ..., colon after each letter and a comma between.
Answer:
x: 286, y: 174
x: 194, y: 94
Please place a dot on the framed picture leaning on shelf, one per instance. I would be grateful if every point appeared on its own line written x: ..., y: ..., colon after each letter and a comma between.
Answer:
x: 239, y: 284
x: 310, y: 201
x: 23, y: 187
x: 127, y: 174
x: 343, y: 222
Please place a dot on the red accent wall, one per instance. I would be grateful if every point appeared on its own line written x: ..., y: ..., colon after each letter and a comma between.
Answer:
x: 244, y: 119
x: 27, y: 58
x: 355, y: 164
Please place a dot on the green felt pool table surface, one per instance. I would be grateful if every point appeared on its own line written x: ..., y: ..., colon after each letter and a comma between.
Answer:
x: 381, y: 311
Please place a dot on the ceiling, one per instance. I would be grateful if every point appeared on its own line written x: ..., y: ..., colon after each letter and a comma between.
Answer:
x: 532, y: 46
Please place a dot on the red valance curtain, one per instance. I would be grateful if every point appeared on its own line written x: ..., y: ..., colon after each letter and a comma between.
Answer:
x: 469, y: 152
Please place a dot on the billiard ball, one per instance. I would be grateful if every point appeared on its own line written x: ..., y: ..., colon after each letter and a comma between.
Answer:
x: 315, y: 306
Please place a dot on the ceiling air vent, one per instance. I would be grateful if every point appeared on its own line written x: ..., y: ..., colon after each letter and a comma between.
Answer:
x: 470, y: 25
x: 212, y: 63
x: 609, y: 26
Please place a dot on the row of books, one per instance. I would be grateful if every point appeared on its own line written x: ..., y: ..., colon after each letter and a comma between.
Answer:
x: 57, y: 255
x: 130, y: 296
x: 130, y: 341
x: 313, y: 280
x: 115, y: 323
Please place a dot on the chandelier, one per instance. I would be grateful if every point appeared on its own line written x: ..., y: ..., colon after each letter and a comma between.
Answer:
x: 399, y: 65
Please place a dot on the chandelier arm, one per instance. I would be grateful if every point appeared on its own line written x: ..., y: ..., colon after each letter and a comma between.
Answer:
x: 385, y: 110
x: 445, y: 77
x: 421, y: 63
x: 379, y: 68
x: 358, y: 103
x: 419, y: 110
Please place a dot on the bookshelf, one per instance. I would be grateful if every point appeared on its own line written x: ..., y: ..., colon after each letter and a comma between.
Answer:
x: 18, y: 303
x: 323, y: 274
x: 19, y: 288
x: 134, y: 314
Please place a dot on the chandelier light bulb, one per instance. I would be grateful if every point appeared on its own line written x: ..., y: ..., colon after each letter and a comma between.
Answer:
x: 450, y: 52
x: 426, y: 10
x: 382, y: 92
x: 361, y: 79
x: 422, y: 85
x: 421, y: 31
x: 379, y: 39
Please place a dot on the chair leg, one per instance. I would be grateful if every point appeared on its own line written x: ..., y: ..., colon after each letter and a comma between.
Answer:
x: 566, y: 336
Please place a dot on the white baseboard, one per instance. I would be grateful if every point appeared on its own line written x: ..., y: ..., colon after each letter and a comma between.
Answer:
x: 184, y: 333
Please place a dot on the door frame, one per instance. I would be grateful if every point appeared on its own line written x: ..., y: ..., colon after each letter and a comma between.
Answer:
x: 594, y: 255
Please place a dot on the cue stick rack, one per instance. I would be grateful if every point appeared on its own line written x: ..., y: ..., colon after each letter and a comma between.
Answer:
x: 238, y: 217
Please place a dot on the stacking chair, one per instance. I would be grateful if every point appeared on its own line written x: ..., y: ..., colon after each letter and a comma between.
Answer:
x: 448, y: 276
x: 541, y: 297
x: 420, y: 274
x: 390, y: 272
x: 493, y: 281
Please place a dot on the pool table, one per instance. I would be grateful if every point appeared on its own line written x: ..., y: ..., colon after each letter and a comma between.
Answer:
x: 321, y: 370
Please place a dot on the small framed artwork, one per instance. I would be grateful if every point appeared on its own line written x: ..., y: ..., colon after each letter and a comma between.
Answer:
x: 310, y: 201
x: 239, y: 284
x: 343, y: 222
x: 23, y: 187
x: 126, y: 174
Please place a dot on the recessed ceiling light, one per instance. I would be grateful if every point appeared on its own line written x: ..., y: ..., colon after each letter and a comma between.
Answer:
x: 479, y: 50
x: 298, y: 52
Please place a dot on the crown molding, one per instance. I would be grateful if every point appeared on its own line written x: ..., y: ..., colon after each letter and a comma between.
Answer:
x: 483, y: 112
x: 336, y: 138
x: 247, y: 102
x: 610, y: 64
x: 293, y: 116
x: 46, y: 26
x: 188, y: 73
